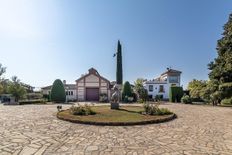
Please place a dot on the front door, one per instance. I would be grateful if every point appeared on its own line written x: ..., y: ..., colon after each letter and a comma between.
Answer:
x: 92, y: 94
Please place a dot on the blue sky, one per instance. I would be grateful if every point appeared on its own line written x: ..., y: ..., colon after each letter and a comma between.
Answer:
x: 42, y: 40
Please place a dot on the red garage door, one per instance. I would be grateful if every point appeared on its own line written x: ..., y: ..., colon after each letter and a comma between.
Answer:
x: 92, y: 94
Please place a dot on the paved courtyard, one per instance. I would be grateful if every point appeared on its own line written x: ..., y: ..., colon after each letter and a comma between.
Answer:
x: 34, y: 129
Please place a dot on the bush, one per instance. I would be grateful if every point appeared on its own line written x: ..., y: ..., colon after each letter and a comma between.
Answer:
x: 158, y: 97
x: 175, y: 94
x: 81, y: 110
x: 186, y: 99
x: 153, y: 109
x: 103, y: 98
x: 227, y: 101
x: 135, y: 97
x: 127, y: 91
x: 226, y: 89
x: 58, y: 92
x: 164, y: 111
x: 39, y: 101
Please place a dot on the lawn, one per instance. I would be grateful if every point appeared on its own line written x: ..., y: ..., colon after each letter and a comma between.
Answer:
x: 126, y: 114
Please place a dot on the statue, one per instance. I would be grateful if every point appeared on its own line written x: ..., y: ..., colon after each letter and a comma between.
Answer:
x: 115, y: 98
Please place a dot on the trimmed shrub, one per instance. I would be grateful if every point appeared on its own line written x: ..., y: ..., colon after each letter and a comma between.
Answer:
x: 227, y: 101
x: 175, y: 94
x: 38, y: 101
x: 127, y: 91
x: 186, y: 99
x: 58, y: 92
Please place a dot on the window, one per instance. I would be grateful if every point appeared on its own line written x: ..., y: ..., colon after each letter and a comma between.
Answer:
x: 71, y: 92
x: 66, y: 92
x: 161, y: 88
x: 150, y: 88
x: 173, y: 79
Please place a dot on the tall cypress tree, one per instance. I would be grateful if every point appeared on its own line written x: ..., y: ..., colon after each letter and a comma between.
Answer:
x: 119, y: 78
x: 221, y: 67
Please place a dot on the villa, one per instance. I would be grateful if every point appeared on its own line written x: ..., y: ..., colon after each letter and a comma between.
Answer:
x: 88, y: 87
x: 160, y: 86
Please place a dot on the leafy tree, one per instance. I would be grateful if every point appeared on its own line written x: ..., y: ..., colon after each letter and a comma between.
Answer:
x: 140, y: 90
x: 196, y: 88
x: 221, y: 67
x: 119, y: 78
x: 16, y: 89
x: 2, y: 71
x: 127, y: 91
x: 58, y: 92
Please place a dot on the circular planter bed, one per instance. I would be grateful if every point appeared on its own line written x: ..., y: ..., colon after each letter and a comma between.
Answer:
x: 126, y: 115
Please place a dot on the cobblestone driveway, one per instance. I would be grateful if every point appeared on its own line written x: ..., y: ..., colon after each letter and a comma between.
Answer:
x: 34, y: 129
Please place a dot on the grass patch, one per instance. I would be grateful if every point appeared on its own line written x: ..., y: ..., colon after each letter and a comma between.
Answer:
x: 126, y: 114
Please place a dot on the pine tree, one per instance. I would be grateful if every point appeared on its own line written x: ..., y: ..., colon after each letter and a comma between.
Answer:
x: 221, y: 67
x: 119, y: 78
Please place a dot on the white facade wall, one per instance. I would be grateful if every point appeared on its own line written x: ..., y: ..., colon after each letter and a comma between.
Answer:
x: 68, y: 97
x: 156, y: 85
x: 156, y: 91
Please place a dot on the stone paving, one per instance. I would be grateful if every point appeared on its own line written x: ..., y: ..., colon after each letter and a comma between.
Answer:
x: 34, y: 129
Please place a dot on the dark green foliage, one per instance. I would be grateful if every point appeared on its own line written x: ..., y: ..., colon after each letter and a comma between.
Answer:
x: 135, y: 98
x: 81, y: 110
x: 186, y: 99
x: 38, y: 101
x: 58, y: 92
x: 226, y: 89
x: 119, y: 76
x: 141, y: 91
x: 158, y: 97
x: 127, y: 91
x: 47, y: 97
x: 175, y: 94
x: 221, y: 67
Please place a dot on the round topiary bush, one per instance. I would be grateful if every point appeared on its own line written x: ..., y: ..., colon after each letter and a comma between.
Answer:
x: 127, y: 92
x: 58, y: 92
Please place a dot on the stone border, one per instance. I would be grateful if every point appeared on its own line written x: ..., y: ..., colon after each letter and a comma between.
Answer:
x: 156, y: 121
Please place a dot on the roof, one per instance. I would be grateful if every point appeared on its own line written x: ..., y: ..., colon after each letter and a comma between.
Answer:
x: 171, y: 71
x: 94, y: 72
x: 67, y: 86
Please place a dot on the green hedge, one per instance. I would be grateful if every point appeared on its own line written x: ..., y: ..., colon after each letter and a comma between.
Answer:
x: 175, y: 94
x: 40, y: 101
x: 58, y: 93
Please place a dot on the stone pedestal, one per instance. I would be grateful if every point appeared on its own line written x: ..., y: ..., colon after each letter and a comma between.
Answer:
x: 114, y: 105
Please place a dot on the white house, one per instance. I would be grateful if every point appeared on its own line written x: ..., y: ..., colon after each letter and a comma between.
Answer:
x: 70, y: 90
x: 160, y: 86
x: 88, y: 87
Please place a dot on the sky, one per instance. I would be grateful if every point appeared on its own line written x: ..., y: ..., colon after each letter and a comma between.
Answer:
x: 43, y: 40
